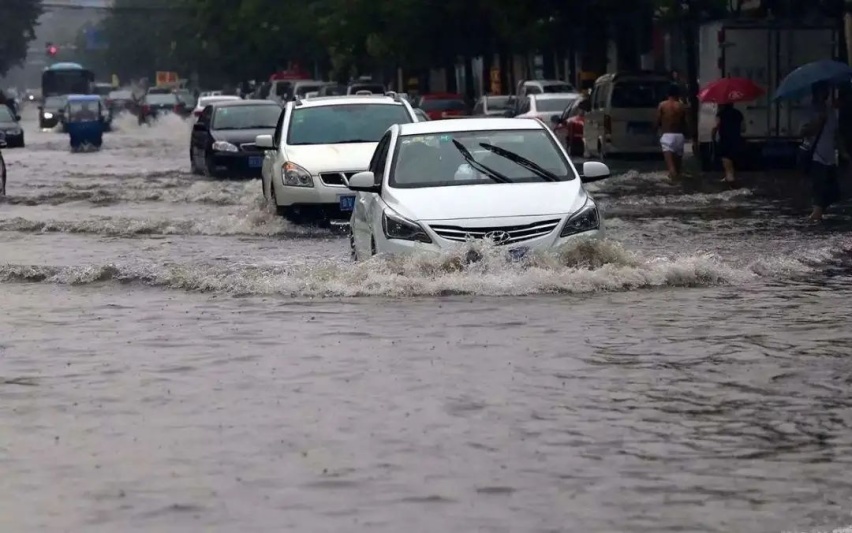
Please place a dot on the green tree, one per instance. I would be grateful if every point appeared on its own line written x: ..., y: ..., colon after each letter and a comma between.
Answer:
x: 17, y: 28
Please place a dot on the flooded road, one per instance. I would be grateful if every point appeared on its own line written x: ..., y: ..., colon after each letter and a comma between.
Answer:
x: 173, y: 357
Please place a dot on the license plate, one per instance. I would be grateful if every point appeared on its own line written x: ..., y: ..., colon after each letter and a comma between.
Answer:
x: 255, y: 162
x: 347, y: 203
x: 516, y: 254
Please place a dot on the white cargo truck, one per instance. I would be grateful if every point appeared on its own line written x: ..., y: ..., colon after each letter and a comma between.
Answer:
x: 765, y: 53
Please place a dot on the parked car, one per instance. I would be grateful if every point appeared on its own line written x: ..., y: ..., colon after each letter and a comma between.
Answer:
x: 318, y: 144
x: 443, y: 105
x: 205, y: 101
x: 432, y: 186
x: 223, y: 137
x: 10, y: 127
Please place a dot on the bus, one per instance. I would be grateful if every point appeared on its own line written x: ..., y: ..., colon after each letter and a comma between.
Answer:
x: 61, y: 79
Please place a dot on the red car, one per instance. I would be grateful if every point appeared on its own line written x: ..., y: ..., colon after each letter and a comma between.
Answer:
x: 569, y: 126
x: 443, y: 105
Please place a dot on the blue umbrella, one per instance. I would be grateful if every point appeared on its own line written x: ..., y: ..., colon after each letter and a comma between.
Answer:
x: 798, y: 83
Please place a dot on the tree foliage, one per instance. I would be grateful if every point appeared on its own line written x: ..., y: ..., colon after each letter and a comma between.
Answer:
x: 17, y: 28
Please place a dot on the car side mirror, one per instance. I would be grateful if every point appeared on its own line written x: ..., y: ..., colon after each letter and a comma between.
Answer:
x: 264, y: 141
x: 17, y: 118
x: 594, y: 171
x: 556, y: 119
x: 364, y: 182
x: 199, y: 126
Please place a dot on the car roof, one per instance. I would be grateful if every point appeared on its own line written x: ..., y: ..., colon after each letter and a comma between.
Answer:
x: 243, y: 103
x: 84, y: 97
x: 321, y: 101
x: 454, y: 125
x: 554, y: 96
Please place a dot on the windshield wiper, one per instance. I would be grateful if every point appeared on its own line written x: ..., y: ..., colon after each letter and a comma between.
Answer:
x: 522, y: 161
x: 490, y: 172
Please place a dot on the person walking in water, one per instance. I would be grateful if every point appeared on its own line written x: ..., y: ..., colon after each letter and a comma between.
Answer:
x: 730, y: 126
x: 671, y: 121
x: 822, y: 134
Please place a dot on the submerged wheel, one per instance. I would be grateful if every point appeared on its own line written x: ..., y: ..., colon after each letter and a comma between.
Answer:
x: 352, y: 253
x: 372, y: 246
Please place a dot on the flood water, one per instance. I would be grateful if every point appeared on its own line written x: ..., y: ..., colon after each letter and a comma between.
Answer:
x: 173, y: 357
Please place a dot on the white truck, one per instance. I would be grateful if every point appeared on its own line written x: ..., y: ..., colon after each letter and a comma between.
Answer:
x: 765, y: 53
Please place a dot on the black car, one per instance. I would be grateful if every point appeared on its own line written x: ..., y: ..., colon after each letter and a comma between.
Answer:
x: 50, y: 112
x: 11, y: 128
x: 222, y: 141
x: 155, y: 105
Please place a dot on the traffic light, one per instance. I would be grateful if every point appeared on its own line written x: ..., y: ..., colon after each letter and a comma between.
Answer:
x: 51, y: 49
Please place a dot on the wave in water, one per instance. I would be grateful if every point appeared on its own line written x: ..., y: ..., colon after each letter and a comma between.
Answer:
x: 590, y: 267
x: 172, y: 190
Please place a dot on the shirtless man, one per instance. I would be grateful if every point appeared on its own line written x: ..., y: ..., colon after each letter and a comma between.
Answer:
x: 671, y: 121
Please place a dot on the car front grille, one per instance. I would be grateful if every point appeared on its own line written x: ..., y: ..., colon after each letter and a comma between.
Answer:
x: 337, y: 179
x: 501, y: 235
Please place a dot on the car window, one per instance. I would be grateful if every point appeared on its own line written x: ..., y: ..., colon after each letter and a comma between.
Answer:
x: 380, y: 157
x: 282, y: 88
x: 6, y: 114
x: 525, y: 106
x: 348, y: 123
x: 205, y: 115
x: 499, y: 103
x: 532, y: 89
x: 553, y: 105
x: 569, y: 112
x: 559, y: 88
x: 246, y: 117
x: 479, y: 108
x: 441, y: 104
x: 433, y: 160
x: 161, y: 99
x: 276, y: 137
x: 639, y: 94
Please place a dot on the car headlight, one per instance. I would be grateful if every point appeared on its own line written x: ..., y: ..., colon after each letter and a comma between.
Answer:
x: 48, y: 115
x: 295, y: 176
x: 224, y: 146
x: 396, y: 227
x: 586, y: 219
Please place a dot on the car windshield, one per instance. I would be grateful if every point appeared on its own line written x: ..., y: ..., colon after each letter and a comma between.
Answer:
x: 121, y: 95
x: 82, y: 111
x: 6, y: 114
x: 553, y: 105
x: 349, y: 123
x: 558, y: 88
x: 498, y: 102
x: 246, y: 117
x: 434, y: 160
x: 54, y: 102
x: 638, y: 94
x: 161, y: 99
x: 441, y: 104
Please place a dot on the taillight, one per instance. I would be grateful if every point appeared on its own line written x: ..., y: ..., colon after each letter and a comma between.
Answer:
x: 607, y: 124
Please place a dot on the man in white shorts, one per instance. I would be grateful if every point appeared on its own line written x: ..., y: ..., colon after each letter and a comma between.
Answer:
x: 671, y: 121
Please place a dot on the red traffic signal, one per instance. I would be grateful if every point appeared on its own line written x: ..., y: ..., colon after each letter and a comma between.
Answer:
x: 52, y: 50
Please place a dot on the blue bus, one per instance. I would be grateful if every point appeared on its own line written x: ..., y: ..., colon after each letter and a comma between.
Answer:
x: 66, y: 78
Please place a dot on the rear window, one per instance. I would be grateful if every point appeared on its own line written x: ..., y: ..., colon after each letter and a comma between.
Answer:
x: 121, y: 95
x: 558, y: 88
x: 428, y: 104
x: 553, y: 104
x: 160, y: 99
x: 302, y: 90
x: 373, y: 88
x: 499, y: 102
x: 638, y: 94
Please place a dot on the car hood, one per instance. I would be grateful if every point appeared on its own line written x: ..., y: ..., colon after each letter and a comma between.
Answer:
x: 494, y: 200
x: 330, y: 157
x: 240, y: 136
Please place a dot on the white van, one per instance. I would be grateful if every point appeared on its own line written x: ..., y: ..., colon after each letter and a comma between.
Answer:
x: 623, y: 114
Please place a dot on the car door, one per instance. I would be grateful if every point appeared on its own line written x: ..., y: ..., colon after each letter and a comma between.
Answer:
x: 270, y: 156
x: 594, y: 120
x: 562, y: 127
x: 365, y: 217
x: 201, y: 134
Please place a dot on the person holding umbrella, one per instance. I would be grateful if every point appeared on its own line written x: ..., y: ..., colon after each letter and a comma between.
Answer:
x: 730, y: 123
x: 817, y: 155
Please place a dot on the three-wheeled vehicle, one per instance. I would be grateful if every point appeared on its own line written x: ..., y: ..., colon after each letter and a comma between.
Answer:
x: 84, y: 120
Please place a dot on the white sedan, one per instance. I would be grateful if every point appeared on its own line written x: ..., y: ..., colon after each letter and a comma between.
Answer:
x: 432, y: 186
x: 204, y: 101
